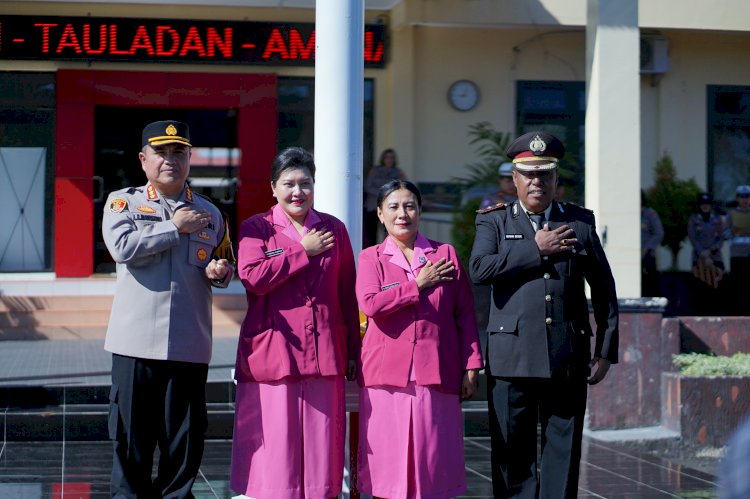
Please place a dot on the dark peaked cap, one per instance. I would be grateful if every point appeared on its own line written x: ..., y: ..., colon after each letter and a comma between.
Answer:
x: 537, y: 147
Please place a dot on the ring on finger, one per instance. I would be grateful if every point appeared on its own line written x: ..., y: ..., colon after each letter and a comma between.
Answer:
x: 564, y: 242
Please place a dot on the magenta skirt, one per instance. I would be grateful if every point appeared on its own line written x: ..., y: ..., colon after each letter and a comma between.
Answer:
x: 410, y: 443
x: 289, y: 439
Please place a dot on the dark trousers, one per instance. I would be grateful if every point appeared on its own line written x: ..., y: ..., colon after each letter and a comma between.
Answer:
x: 156, y: 402
x: 740, y: 278
x: 516, y: 406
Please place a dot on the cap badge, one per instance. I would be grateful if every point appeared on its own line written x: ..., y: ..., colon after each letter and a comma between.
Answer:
x: 171, y: 130
x: 537, y: 145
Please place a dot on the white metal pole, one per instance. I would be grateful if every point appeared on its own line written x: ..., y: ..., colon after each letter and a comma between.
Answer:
x: 339, y: 111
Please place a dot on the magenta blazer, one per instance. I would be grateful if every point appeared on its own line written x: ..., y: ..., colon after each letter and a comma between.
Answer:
x: 435, y: 330
x: 302, y: 317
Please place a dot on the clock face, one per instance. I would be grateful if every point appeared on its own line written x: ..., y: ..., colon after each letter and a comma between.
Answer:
x: 463, y: 95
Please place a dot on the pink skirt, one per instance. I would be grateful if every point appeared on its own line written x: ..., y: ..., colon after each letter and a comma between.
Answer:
x: 289, y: 438
x: 410, y: 443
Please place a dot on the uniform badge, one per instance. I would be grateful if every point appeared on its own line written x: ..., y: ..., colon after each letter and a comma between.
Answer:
x: 146, y: 209
x: 491, y: 207
x: 537, y: 145
x: 202, y: 255
x: 422, y: 260
x: 117, y: 205
x: 513, y: 236
x: 204, y: 235
x: 274, y: 252
x: 151, y: 193
x: 389, y: 286
x: 188, y: 193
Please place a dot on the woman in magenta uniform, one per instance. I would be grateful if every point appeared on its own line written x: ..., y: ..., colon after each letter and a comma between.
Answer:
x: 420, y: 357
x: 299, y: 339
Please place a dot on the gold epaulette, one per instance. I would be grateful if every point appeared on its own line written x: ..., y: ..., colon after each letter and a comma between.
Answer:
x: 492, y: 207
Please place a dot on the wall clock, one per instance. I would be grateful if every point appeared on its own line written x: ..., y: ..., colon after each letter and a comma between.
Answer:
x: 463, y: 95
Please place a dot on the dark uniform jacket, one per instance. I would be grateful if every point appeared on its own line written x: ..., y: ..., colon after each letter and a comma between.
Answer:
x: 539, y: 317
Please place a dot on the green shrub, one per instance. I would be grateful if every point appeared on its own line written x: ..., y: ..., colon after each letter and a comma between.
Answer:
x: 696, y: 364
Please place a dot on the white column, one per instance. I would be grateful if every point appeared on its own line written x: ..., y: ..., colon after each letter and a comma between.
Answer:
x: 339, y: 112
x: 613, y: 145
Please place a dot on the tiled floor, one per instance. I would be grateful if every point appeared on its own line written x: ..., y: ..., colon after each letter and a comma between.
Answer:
x: 81, y: 469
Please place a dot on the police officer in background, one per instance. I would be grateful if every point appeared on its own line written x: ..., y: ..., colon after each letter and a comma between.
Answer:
x: 537, y: 254
x: 171, y: 245
x: 507, y: 192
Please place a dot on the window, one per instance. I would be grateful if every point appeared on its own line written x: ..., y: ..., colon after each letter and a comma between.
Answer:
x: 728, y: 140
x: 557, y: 107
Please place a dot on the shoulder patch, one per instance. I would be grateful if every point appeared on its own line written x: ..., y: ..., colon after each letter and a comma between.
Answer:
x: 117, y: 205
x: 492, y: 207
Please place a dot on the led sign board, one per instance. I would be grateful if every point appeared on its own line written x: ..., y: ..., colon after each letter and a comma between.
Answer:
x: 168, y: 40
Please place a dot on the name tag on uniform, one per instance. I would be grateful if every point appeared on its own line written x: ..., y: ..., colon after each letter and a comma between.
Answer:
x: 152, y: 218
x: 274, y: 252
x: 389, y: 286
x: 513, y: 236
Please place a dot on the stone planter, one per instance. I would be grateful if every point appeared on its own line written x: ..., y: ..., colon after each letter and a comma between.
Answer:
x: 704, y: 410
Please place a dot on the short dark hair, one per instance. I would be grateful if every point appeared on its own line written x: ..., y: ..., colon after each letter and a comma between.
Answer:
x: 394, y: 185
x: 292, y: 158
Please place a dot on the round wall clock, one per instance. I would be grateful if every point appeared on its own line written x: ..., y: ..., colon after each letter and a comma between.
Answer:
x: 463, y: 95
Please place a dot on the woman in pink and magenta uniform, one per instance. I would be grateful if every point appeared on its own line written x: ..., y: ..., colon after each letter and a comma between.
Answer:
x: 420, y: 357
x: 298, y: 341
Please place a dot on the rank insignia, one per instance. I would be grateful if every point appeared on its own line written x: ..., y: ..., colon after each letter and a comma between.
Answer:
x: 188, y: 194
x: 146, y: 209
x: 117, y: 205
x: 204, y: 235
x: 202, y: 255
x: 151, y: 193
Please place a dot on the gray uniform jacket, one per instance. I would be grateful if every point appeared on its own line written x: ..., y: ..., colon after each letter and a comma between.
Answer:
x: 706, y: 236
x: 539, y: 317
x: 162, y: 304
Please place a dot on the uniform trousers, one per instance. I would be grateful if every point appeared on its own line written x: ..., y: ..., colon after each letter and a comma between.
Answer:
x: 156, y: 402
x: 516, y: 406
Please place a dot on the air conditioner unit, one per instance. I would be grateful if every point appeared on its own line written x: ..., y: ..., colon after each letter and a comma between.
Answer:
x: 654, y: 54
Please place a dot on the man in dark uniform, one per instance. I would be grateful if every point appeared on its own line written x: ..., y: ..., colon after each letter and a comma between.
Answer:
x: 536, y: 253
x: 171, y: 246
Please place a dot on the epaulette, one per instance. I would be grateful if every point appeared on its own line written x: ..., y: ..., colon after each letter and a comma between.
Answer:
x: 576, y: 206
x: 492, y: 207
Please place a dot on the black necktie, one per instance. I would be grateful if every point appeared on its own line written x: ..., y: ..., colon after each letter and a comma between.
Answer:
x: 538, y: 219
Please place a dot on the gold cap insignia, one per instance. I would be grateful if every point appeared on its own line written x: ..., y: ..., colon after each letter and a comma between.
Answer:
x: 171, y: 130
x: 537, y: 145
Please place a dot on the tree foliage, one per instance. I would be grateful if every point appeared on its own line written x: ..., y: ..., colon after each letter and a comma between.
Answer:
x: 674, y: 201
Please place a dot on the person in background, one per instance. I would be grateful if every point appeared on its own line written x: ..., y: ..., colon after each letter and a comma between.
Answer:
x: 420, y: 356
x: 706, y: 234
x: 738, y: 232
x: 299, y: 339
x: 386, y: 170
x: 538, y: 255
x: 507, y: 192
x: 171, y: 246
x: 652, y: 234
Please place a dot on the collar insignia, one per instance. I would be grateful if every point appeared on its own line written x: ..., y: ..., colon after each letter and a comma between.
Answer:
x: 151, y: 193
x: 188, y: 194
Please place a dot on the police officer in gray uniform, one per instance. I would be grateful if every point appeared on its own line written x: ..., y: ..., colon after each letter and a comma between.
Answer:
x: 171, y: 245
x: 537, y: 254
